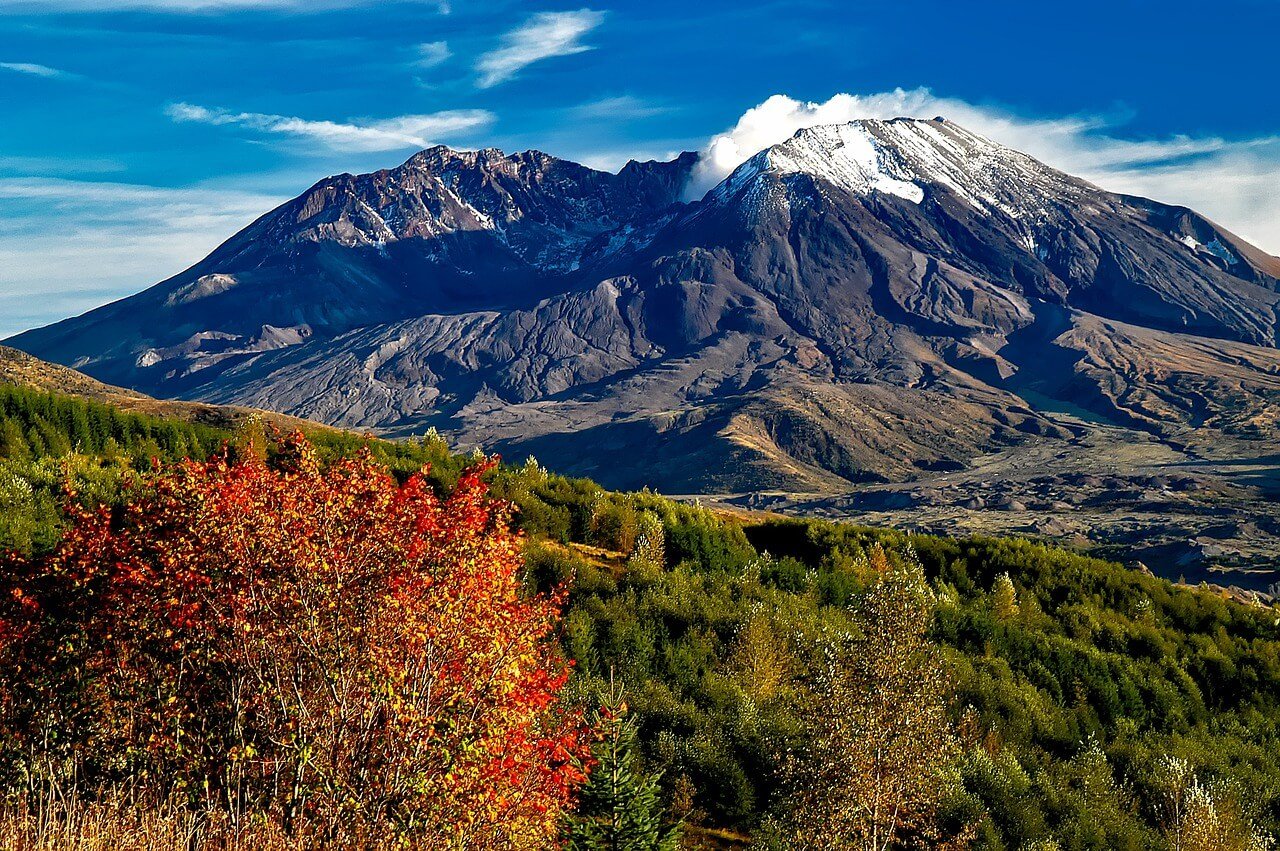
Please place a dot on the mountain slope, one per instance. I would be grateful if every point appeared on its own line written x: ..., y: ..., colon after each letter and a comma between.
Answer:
x: 446, y: 230
x: 23, y: 370
x: 862, y: 303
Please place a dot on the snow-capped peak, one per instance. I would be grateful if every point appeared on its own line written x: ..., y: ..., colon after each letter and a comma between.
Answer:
x: 847, y: 155
x: 905, y: 157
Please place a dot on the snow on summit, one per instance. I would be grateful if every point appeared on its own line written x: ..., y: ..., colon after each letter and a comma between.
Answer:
x: 847, y: 155
x: 905, y: 156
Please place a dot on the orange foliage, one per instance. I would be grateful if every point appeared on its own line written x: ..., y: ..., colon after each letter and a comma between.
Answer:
x: 326, y: 646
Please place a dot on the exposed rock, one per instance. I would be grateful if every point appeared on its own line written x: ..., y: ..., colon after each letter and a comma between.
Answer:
x: 866, y: 303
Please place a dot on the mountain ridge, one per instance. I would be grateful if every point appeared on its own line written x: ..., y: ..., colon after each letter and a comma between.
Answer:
x: 861, y: 303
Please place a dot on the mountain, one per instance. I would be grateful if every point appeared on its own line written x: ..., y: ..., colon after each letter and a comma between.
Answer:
x: 446, y: 231
x: 861, y: 305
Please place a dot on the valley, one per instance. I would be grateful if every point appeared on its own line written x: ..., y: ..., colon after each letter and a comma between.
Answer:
x: 1190, y: 517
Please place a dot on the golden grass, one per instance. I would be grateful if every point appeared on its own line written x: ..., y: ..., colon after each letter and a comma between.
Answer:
x: 711, y: 839
x: 115, y: 824
x: 26, y: 371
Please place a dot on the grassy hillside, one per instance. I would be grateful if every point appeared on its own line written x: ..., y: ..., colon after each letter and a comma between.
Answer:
x: 1075, y: 681
x: 22, y: 370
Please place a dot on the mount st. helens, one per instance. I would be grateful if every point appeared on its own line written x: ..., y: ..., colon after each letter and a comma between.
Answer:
x: 864, y: 304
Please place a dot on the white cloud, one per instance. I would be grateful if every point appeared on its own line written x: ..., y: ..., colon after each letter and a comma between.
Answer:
x: 542, y: 36
x: 621, y: 107
x: 432, y: 53
x: 385, y: 134
x: 67, y: 246
x: 1232, y: 182
x: 32, y: 69
x: 1237, y: 188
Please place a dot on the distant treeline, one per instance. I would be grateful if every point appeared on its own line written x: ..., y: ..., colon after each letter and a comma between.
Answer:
x: 36, y: 424
x: 51, y: 443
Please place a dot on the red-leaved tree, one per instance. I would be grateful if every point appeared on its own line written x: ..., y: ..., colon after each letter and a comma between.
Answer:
x: 324, y: 645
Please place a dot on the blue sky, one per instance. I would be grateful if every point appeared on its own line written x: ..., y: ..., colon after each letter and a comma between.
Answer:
x: 137, y: 134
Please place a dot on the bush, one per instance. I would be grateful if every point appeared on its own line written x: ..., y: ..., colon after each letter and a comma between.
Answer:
x: 329, y: 647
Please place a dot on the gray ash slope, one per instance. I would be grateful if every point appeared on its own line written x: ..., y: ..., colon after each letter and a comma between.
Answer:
x: 868, y: 302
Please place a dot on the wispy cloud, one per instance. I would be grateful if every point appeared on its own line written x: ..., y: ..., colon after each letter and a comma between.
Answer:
x: 612, y: 159
x: 385, y: 134
x: 1231, y: 181
x: 32, y: 69
x: 432, y: 53
x: 69, y: 245
x: 621, y: 107
x: 543, y: 36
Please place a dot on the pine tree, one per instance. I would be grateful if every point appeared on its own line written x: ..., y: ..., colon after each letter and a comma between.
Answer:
x: 760, y: 659
x: 1004, y: 598
x: 36, y: 443
x: 620, y: 808
x: 12, y: 444
x: 651, y: 541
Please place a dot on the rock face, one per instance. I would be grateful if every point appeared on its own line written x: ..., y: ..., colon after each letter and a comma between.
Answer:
x: 862, y: 303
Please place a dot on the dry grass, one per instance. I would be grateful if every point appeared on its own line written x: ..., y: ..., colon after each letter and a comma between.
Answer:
x: 711, y: 839
x: 25, y: 371
x: 115, y: 824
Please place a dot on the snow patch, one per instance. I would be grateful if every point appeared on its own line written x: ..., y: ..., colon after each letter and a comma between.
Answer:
x: 1217, y: 249
x: 1214, y: 247
x: 845, y: 155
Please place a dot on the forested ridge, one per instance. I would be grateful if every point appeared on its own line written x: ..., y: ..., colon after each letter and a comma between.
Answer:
x: 1084, y: 705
